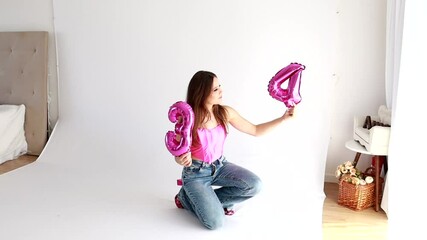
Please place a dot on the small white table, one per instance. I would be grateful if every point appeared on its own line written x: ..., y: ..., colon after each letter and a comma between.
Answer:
x: 359, y: 149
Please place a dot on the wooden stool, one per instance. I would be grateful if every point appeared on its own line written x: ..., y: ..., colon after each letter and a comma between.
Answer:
x: 359, y: 149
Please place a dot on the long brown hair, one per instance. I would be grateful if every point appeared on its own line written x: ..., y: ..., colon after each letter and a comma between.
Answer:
x: 198, y: 91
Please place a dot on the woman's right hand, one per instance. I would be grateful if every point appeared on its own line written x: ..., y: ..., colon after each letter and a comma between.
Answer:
x: 290, y: 112
x: 184, y: 160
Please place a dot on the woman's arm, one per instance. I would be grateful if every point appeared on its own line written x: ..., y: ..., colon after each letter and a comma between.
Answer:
x: 245, y: 126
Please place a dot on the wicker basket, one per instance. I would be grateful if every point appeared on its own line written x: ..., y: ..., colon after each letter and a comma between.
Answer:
x: 357, y: 197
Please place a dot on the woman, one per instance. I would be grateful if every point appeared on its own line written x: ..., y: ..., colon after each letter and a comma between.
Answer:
x: 205, y: 166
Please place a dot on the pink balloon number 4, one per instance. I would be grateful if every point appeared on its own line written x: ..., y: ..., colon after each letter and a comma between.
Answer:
x: 178, y: 141
x: 291, y: 95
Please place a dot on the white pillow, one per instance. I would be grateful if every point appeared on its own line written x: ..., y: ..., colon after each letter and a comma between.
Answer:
x: 12, y: 134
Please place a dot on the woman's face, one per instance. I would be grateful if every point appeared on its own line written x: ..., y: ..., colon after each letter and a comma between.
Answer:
x: 216, y: 93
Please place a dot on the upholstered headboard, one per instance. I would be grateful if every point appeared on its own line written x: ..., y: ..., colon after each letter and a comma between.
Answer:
x: 23, y: 80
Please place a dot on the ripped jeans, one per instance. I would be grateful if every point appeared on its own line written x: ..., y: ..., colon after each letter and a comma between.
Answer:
x: 235, y: 184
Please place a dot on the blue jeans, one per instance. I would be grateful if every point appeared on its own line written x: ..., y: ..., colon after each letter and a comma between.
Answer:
x: 236, y: 184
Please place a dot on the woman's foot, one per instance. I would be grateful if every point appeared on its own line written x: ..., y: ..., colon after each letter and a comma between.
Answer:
x: 228, y: 212
x: 178, y: 203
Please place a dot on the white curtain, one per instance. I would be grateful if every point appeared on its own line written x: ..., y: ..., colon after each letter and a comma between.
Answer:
x: 407, y: 141
x: 395, y: 17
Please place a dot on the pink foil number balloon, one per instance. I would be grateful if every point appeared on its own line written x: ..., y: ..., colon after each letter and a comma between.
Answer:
x: 291, y: 95
x: 178, y: 142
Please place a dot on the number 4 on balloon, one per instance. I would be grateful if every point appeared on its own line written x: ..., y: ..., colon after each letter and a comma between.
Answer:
x: 291, y: 95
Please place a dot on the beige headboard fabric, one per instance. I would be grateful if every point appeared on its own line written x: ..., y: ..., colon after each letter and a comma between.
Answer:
x: 23, y: 80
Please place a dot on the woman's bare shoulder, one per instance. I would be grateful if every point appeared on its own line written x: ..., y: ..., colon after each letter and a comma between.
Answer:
x: 231, y: 112
x: 228, y: 107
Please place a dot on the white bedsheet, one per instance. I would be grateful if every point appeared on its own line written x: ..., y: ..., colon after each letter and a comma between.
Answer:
x: 12, y: 134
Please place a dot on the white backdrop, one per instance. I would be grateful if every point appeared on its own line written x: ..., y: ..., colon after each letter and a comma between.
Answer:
x: 106, y: 173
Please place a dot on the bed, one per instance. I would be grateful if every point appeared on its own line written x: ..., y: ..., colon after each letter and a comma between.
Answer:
x: 23, y: 89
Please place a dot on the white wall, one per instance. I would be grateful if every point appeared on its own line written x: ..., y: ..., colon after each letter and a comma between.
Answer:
x: 355, y: 64
x: 359, y: 87
x: 28, y: 15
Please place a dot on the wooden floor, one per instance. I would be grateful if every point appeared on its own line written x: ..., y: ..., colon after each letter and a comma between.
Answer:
x: 338, y: 222
x: 17, y: 163
x: 343, y: 223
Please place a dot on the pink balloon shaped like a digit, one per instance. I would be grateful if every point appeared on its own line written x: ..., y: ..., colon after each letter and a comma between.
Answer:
x: 291, y: 95
x: 178, y: 141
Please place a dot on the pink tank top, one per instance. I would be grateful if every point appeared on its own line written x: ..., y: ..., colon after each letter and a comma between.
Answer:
x: 211, y: 144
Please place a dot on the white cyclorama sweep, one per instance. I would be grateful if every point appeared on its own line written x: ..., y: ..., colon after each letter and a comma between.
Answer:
x: 106, y: 173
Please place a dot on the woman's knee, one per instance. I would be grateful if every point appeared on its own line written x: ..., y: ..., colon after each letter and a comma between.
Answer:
x: 214, y: 222
x: 257, y: 186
